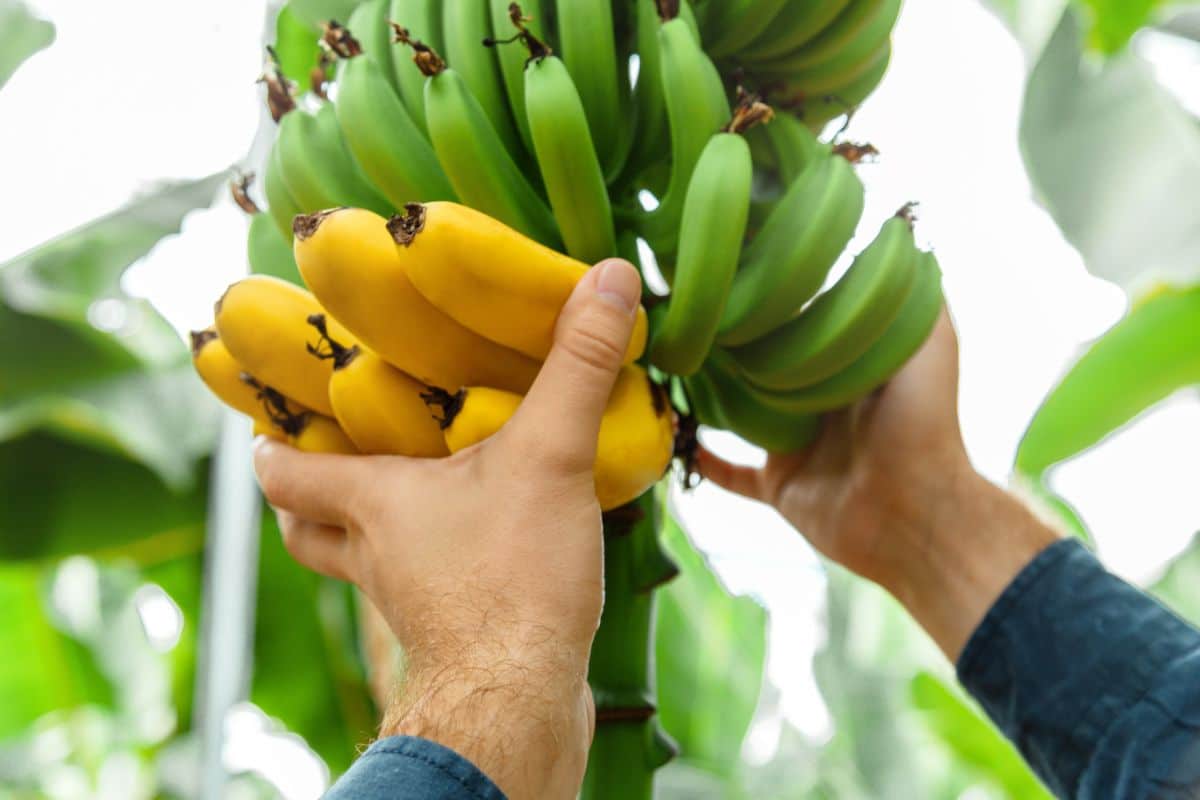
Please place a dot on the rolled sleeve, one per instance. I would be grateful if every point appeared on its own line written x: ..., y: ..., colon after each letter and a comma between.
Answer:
x: 408, y: 768
x: 1096, y: 683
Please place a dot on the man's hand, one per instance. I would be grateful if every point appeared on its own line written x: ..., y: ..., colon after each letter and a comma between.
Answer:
x: 487, y: 565
x: 887, y: 491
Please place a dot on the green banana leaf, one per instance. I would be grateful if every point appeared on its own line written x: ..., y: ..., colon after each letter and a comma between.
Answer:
x: 296, y: 46
x: 973, y: 740
x: 1111, y: 153
x: 59, y: 498
x: 93, y: 365
x: 711, y: 645
x: 303, y: 674
x: 21, y: 35
x: 1150, y: 354
x: 1179, y: 585
x: 43, y: 670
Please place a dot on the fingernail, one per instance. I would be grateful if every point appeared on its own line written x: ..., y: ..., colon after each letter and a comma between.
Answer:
x: 619, y: 284
x: 260, y: 443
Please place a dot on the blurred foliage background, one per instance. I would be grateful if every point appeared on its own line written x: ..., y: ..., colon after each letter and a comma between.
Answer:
x: 106, y: 440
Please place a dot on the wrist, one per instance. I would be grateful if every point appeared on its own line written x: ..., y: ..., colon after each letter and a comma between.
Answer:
x: 960, y: 553
x: 523, y: 716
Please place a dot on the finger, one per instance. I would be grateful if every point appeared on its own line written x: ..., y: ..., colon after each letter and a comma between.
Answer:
x: 563, y: 408
x: 746, y: 481
x: 321, y: 548
x: 317, y: 487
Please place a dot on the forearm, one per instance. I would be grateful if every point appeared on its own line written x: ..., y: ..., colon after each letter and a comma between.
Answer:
x: 958, y: 547
x: 524, y: 718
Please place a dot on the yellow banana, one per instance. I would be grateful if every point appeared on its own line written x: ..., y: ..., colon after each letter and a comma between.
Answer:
x: 320, y: 434
x: 378, y: 406
x: 264, y: 323
x: 349, y: 259
x: 490, y: 278
x: 637, y: 432
x: 226, y: 378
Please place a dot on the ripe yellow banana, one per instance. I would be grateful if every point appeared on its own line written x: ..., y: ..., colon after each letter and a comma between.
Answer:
x: 234, y: 387
x: 636, y: 441
x: 378, y: 406
x: 320, y: 434
x: 490, y: 278
x: 264, y: 323
x: 349, y: 259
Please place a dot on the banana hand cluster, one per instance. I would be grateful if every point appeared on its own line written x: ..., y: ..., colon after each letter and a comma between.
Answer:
x: 478, y: 155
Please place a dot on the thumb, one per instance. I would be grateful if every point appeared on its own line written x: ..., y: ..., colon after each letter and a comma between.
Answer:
x: 563, y: 408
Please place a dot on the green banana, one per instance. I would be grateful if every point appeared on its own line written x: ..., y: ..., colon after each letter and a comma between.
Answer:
x: 588, y: 46
x: 696, y: 109
x: 816, y: 112
x: 650, y: 110
x: 741, y: 22
x: 804, y: 71
x: 384, y: 139
x: 569, y: 165
x: 317, y: 169
x: 479, y: 167
x: 280, y: 205
x: 794, y: 146
x: 512, y: 57
x: 722, y: 400
x: 466, y: 26
x: 798, y: 23
x: 710, y: 239
x: 854, y: 21
x: 787, y: 262
x: 841, y: 324
x: 269, y: 252
x: 902, y: 339
x: 369, y: 25
x: 423, y: 20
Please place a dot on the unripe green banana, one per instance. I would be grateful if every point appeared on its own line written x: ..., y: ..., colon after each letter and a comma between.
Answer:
x: 787, y: 262
x: 268, y: 252
x: 280, y: 204
x: 798, y: 23
x: 369, y: 25
x: 803, y: 72
x: 318, y: 170
x: 588, y: 46
x: 696, y: 108
x: 474, y: 157
x: 738, y: 23
x: 513, y: 58
x: 723, y: 400
x: 854, y: 21
x: 466, y: 25
x: 570, y: 168
x: 384, y: 140
x: 902, y: 339
x: 710, y: 240
x: 816, y: 111
x: 794, y: 146
x: 650, y: 142
x: 423, y: 20
x: 841, y: 324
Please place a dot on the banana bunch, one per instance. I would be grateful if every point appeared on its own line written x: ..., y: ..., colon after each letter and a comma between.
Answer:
x: 443, y: 194
x: 818, y: 58
x: 372, y: 364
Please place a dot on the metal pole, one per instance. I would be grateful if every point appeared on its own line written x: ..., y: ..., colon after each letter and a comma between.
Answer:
x: 224, y: 661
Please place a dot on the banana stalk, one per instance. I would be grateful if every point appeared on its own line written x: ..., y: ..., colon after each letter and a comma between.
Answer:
x: 629, y: 744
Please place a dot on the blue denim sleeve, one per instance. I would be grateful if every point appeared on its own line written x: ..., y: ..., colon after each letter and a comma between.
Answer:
x: 407, y: 768
x: 1096, y: 683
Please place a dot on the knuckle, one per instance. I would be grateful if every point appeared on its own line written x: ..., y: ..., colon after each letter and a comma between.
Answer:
x: 594, y: 342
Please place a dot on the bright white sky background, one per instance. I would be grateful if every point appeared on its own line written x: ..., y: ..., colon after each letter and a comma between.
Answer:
x: 139, y: 90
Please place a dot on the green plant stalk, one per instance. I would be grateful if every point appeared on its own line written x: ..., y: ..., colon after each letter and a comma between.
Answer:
x: 629, y: 744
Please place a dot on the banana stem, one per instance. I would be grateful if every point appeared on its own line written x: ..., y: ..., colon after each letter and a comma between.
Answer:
x: 629, y: 744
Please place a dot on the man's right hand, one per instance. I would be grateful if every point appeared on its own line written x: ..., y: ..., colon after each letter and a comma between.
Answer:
x: 888, y: 491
